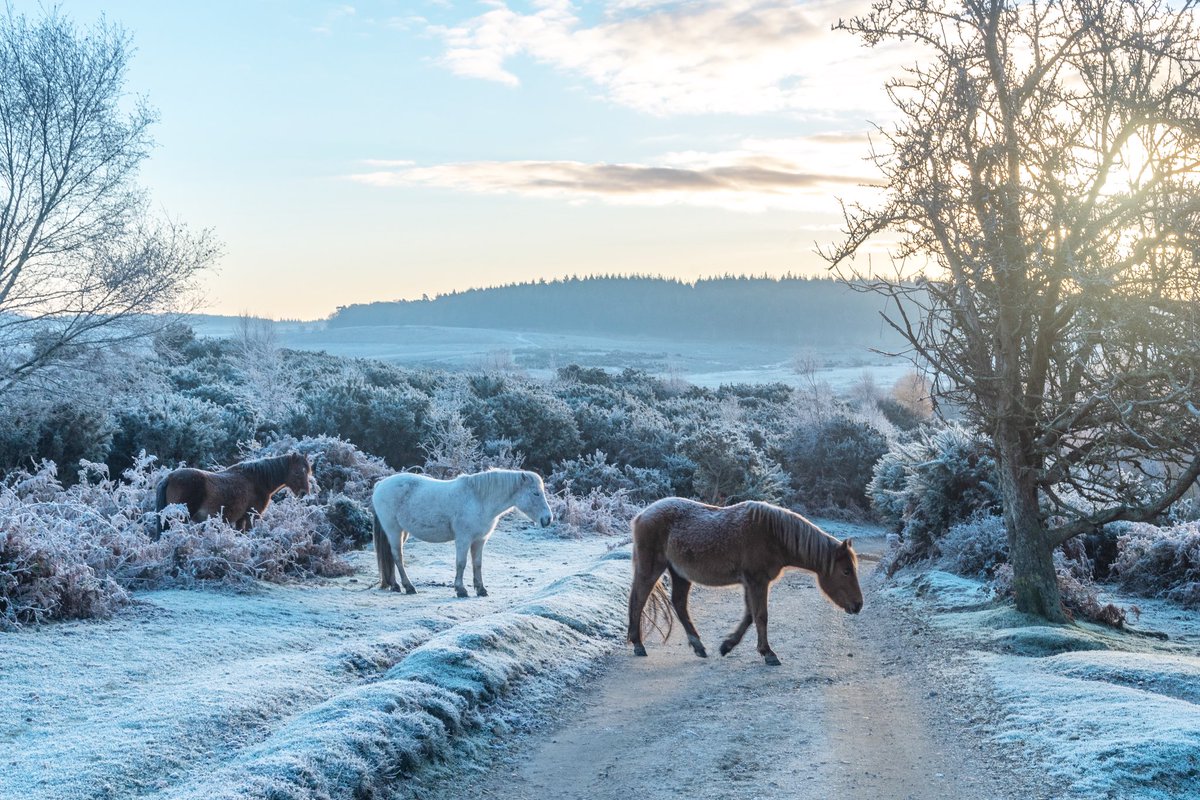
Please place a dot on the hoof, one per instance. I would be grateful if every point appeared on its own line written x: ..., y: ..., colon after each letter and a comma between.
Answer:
x: 639, y: 649
x: 698, y: 647
x: 481, y: 592
x: 772, y: 660
x: 409, y: 590
x: 392, y: 588
x: 460, y: 592
x: 727, y: 647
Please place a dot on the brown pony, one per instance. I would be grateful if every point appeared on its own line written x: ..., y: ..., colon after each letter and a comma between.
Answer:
x: 749, y: 543
x: 237, y: 493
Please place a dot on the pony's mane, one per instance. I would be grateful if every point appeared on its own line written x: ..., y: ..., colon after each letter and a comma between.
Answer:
x: 272, y: 470
x: 811, y: 545
x: 496, y: 484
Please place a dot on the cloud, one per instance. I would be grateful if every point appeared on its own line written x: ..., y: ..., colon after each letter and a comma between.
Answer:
x: 332, y: 16
x: 763, y: 174
x: 685, y: 57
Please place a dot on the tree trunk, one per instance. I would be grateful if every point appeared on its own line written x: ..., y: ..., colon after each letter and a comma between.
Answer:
x: 1030, y: 551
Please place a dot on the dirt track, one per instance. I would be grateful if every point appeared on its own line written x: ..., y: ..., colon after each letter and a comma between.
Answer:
x: 857, y: 710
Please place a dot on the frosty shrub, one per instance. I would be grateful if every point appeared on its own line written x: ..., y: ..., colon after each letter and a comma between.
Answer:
x: 730, y: 468
x: 830, y: 463
x: 974, y: 547
x: 629, y: 431
x: 594, y: 473
x: 534, y: 421
x: 593, y: 512
x: 351, y: 522
x: 75, y: 552
x: 177, y: 428
x: 926, y: 485
x: 387, y: 421
x: 1160, y: 562
x: 61, y: 432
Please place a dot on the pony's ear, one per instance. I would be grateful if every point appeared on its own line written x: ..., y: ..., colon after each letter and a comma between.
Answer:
x: 847, y: 545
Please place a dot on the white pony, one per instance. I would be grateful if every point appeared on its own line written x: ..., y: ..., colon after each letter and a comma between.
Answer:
x: 465, y: 509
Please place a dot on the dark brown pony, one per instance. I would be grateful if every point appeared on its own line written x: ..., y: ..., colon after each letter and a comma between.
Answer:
x: 749, y: 543
x: 237, y: 493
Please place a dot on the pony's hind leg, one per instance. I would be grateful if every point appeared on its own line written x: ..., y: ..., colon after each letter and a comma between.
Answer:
x: 461, y: 545
x: 647, y: 571
x: 399, y: 553
x: 680, y: 587
x: 735, y: 638
x: 477, y: 566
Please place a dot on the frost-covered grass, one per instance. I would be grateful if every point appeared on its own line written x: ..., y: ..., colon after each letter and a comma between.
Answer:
x: 1109, y: 713
x: 299, y: 690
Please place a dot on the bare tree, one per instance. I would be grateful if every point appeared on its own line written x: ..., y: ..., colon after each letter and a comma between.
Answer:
x: 1042, y: 179
x: 83, y: 266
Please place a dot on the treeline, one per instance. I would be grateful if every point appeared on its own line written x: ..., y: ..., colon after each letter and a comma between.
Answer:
x: 788, y: 310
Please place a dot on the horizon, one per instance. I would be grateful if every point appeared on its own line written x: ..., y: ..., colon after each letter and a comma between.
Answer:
x: 424, y: 148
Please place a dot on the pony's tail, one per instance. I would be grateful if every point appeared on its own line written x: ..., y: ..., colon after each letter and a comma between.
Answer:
x: 657, y: 611
x: 383, y: 552
x: 160, y: 502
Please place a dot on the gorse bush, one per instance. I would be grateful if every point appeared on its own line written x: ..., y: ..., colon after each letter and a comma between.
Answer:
x: 974, y: 547
x: 177, y: 428
x: 538, y: 424
x: 592, y: 512
x: 925, y: 485
x: 594, y: 473
x: 387, y: 421
x: 729, y: 467
x: 830, y: 462
x: 61, y: 432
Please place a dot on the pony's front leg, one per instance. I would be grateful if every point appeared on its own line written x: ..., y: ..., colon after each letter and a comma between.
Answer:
x: 758, y: 592
x: 461, y: 545
x: 477, y: 566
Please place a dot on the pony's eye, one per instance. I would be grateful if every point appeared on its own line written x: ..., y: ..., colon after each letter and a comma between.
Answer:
x: 847, y: 571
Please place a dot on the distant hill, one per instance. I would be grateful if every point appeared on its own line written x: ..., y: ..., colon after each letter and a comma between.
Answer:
x: 778, y: 310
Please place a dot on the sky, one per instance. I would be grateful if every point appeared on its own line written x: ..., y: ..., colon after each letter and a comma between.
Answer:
x: 347, y: 153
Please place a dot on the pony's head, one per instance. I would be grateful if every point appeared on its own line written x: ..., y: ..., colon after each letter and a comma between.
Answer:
x: 841, y: 584
x: 530, y: 499
x: 299, y: 474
